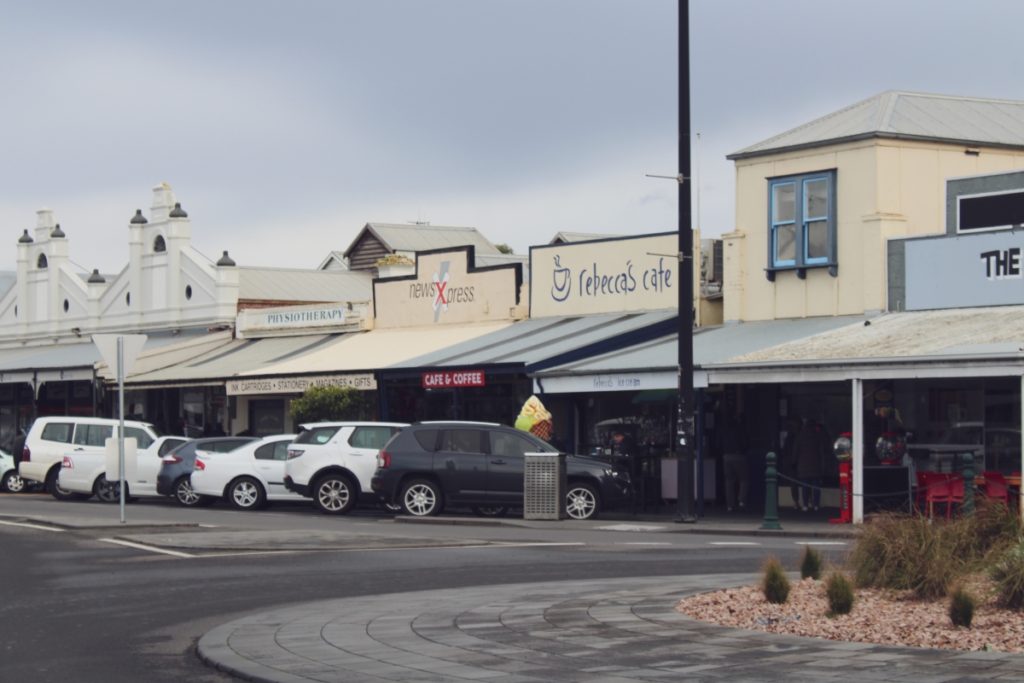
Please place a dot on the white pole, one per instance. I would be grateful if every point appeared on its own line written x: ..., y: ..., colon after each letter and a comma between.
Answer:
x: 1020, y: 465
x: 858, y: 450
x: 120, y: 432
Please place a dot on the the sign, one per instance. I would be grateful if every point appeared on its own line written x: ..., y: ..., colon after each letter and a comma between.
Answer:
x: 298, y: 385
x: 985, y: 269
x: 446, y: 288
x: 284, y: 318
x: 605, y: 276
x: 443, y: 379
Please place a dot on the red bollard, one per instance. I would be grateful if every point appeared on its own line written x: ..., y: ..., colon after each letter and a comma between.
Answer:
x: 845, y: 495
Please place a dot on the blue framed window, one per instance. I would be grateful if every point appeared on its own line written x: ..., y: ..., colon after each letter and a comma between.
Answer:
x: 802, y: 223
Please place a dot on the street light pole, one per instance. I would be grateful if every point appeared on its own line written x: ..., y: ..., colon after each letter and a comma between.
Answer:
x: 684, y: 419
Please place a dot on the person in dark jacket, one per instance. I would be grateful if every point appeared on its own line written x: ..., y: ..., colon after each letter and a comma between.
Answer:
x: 734, y: 462
x: 809, y: 451
x: 18, y: 446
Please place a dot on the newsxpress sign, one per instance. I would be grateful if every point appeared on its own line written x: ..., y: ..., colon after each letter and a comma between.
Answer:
x: 985, y: 269
x: 605, y: 276
x: 446, y: 288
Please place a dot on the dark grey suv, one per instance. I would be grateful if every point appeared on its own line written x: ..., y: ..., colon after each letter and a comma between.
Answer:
x: 429, y: 465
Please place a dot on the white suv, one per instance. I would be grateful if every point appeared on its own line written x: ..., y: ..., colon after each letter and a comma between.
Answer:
x: 333, y: 462
x: 51, y: 438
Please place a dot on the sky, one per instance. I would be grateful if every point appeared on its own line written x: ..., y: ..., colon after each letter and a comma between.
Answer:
x: 284, y: 126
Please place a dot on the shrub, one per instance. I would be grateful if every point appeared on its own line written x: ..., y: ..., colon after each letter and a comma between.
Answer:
x: 775, y: 584
x: 1008, y: 574
x: 961, y: 608
x: 331, y: 403
x: 810, y: 563
x: 839, y: 592
x: 993, y: 528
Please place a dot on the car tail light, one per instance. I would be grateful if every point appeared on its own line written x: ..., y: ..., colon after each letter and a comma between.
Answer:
x: 26, y: 454
x: 294, y: 453
x: 67, y: 464
x: 200, y: 465
x: 383, y: 460
x: 171, y: 459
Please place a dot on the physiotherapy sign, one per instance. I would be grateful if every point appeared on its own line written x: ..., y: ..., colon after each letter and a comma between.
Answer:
x: 604, y: 276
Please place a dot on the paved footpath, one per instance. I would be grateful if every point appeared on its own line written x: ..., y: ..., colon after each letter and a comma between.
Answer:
x: 606, y: 631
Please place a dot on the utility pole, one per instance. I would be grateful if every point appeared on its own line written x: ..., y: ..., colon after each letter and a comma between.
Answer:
x: 684, y: 419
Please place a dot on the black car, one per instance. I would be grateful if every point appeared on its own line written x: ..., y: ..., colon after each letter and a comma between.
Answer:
x: 480, y: 465
x: 176, y: 467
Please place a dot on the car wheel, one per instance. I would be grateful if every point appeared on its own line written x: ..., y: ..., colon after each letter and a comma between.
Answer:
x: 582, y: 501
x: 421, y: 498
x: 490, y: 510
x: 12, y: 483
x: 55, y: 490
x: 334, y: 494
x: 106, y: 491
x: 246, y: 493
x: 185, y: 494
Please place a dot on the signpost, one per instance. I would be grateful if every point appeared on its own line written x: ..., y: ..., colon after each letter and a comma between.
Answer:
x: 120, y: 351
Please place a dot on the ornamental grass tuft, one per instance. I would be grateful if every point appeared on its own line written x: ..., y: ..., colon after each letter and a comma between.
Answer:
x: 775, y: 583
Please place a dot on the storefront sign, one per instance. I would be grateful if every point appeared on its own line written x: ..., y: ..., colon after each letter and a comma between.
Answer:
x: 298, y: 385
x: 596, y: 383
x: 983, y: 269
x: 278, y: 319
x: 441, y: 379
x: 604, y: 276
x: 446, y: 288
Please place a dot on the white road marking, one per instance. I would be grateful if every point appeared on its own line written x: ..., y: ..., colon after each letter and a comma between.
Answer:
x: 733, y: 543
x: 33, y: 526
x: 631, y: 527
x: 646, y: 543
x: 147, y: 548
x: 821, y: 543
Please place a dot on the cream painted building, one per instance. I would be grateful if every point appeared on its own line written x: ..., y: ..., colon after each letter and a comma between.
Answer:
x: 816, y: 205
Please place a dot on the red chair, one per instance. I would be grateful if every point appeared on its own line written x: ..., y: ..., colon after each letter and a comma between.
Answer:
x: 996, y: 487
x: 925, y: 495
x: 944, y: 489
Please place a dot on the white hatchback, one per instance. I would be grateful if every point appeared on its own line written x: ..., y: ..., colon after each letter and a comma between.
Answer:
x: 247, y: 477
x: 85, y: 472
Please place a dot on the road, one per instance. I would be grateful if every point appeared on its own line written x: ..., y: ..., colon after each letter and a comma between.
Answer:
x: 80, y: 606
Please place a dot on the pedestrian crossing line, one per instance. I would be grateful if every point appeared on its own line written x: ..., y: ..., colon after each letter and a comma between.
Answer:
x: 40, y: 527
x: 147, y: 548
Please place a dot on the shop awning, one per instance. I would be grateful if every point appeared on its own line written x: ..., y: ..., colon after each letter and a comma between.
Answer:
x: 72, y: 361
x: 168, y: 355
x: 228, y: 360
x: 379, y: 348
x: 654, y: 364
x: 968, y: 342
x: 540, y: 342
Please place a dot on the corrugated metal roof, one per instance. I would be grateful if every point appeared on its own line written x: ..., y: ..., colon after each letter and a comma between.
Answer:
x: 234, y: 358
x: 284, y: 284
x: 167, y: 355
x: 911, y: 115
x: 419, y: 237
x: 538, y: 339
x: 924, y: 335
x: 377, y: 348
x: 710, y: 345
x: 564, y: 236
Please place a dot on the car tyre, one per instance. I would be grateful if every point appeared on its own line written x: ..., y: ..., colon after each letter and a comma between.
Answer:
x: 245, y: 493
x: 582, y: 501
x: 490, y: 510
x: 422, y: 498
x: 185, y: 495
x: 12, y: 483
x: 107, y: 491
x: 55, y: 490
x: 334, y: 494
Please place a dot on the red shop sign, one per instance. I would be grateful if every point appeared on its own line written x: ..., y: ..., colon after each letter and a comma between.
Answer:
x: 453, y: 378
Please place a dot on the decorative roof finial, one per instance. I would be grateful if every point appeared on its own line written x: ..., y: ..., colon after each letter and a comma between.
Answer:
x: 138, y: 218
x: 225, y: 260
x: 177, y: 211
x: 25, y: 238
x: 57, y: 232
x: 96, y: 277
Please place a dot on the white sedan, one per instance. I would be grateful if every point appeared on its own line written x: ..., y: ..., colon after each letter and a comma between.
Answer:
x: 86, y: 473
x: 247, y: 477
x: 10, y: 482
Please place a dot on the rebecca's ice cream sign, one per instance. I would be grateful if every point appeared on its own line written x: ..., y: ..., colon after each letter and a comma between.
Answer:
x: 445, y: 288
x: 604, y: 276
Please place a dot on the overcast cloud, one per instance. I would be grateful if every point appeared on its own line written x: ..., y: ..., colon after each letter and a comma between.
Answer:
x: 284, y: 126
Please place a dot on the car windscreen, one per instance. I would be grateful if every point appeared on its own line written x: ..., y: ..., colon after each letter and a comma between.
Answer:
x: 316, y: 435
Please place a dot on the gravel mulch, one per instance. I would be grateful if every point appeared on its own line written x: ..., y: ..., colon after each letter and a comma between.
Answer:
x: 879, y: 617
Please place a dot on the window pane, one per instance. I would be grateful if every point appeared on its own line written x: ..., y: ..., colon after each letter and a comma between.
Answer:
x: 142, y: 439
x: 318, y: 435
x: 817, y: 240
x: 265, y: 452
x: 58, y: 431
x: 783, y: 202
x: 461, y: 441
x: 427, y: 439
x: 509, y: 444
x: 815, y: 199
x: 785, y: 243
x: 370, y: 437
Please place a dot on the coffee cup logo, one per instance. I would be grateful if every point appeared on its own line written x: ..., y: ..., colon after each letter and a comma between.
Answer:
x: 561, y: 278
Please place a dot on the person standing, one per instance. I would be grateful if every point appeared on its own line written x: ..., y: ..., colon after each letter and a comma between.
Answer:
x: 809, y: 452
x: 734, y: 462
